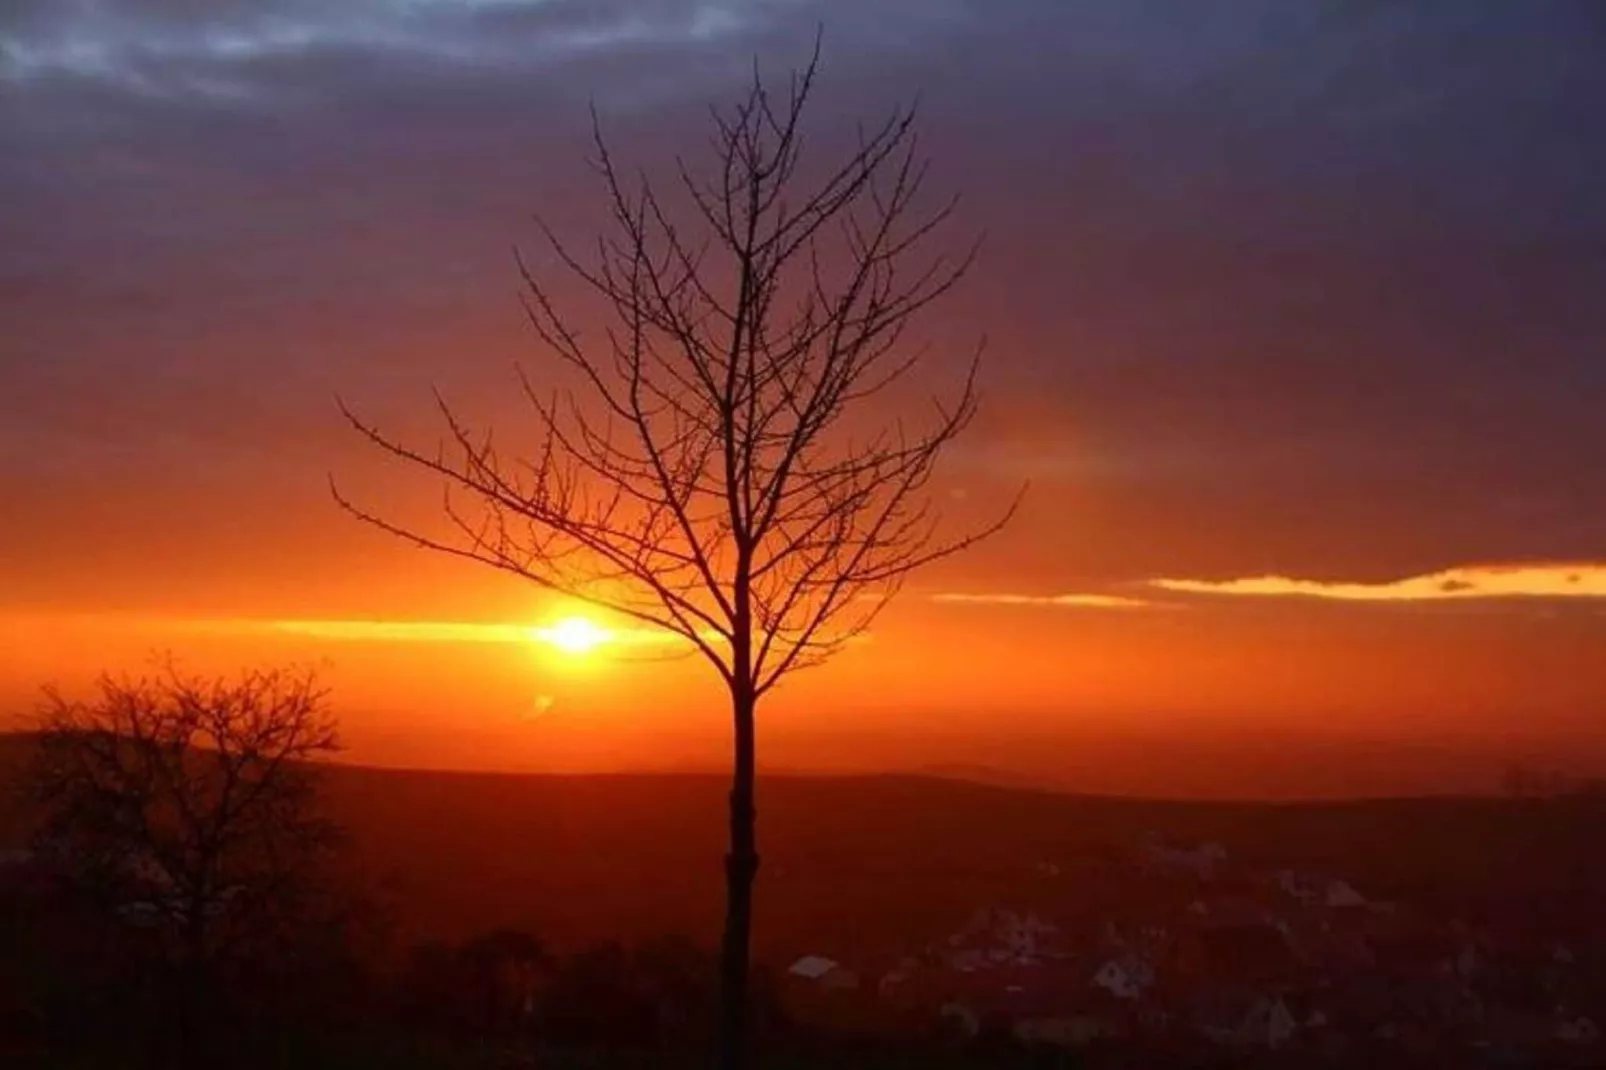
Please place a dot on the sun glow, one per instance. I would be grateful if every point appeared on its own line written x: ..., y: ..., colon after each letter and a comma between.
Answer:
x: 575, y: 636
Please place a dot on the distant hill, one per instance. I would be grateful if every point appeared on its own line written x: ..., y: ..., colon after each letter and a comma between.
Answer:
x: 986, y: 774
x: 866, y: 864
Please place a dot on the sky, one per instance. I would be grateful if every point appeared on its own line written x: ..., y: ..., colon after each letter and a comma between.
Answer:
x: 1293, y: 324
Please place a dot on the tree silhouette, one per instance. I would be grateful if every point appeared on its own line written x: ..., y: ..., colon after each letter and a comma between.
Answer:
x: 185, y: 808
x: 727, y: 471
x: 501, y: 971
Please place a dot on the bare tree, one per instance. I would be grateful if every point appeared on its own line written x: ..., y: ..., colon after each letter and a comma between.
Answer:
x: 726, y: 470
x: 186, y: 807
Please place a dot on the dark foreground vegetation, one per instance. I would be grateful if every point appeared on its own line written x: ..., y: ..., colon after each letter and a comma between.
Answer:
x: 446, y: 920
x: 83, y: 990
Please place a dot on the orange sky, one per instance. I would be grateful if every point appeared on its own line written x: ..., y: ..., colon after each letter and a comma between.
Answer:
x: 1294, y: 327
x: 1056, y: 692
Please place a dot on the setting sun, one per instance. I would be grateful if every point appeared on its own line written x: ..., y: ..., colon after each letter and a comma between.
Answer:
x: 574, y: 635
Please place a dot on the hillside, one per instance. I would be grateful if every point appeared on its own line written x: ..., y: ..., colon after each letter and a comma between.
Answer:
x: 859, y: 865
x: 882, y: 861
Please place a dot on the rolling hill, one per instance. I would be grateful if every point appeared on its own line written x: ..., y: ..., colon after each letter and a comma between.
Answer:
x: 870, y: 865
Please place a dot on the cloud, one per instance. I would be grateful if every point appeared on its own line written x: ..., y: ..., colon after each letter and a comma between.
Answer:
x: 1262, y: 258
x: 384, y: 631
x: 164, y: 49
x: 219, y: 52
x: 1556, y: 580
x: 1075, y: 601
x: 389, y: 631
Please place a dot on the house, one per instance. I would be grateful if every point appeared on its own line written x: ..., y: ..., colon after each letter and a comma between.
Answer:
x: 169, y: 907
x: 899, y: 975
x: 1339, y: 895
x: 1125, y: 976
x: 145, y: 870
x: 1320, y: 891
x: 824, y: 972
x: 1047, y: 1003
x: 812, y: 967
x: 1296, y: 885
x: 821, y: 993
x: 1244, y: 1018
x: 1200, y: 861
x: 996, y: 936
x: 1268, y: 1024
x: 1576, y: 1029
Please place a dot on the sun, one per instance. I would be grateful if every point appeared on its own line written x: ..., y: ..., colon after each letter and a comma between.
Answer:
x: 576, y: 636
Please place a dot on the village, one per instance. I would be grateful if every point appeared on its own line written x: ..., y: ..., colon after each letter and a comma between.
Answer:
x: 1125, y: 951
x: 1173, y: 950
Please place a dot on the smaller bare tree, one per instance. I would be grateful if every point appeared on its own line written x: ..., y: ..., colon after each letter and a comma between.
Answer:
x: 186, y: 807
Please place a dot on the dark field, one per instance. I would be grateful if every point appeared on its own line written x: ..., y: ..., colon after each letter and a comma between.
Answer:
x: 858, y: 867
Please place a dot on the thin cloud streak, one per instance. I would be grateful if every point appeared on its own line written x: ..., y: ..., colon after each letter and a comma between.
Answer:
x: 138, y: 45
x: 1072, y: 601
x: 383, y: 631
x: 1557, y: 580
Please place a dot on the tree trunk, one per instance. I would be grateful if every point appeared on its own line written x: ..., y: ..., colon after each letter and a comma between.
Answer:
x: 741, y: 865
x: 193, y: 985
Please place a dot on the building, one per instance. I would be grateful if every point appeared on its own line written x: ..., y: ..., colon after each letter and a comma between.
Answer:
x: 1241, y: 1017
x: 823, y: 972
x: 1125, y: 976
